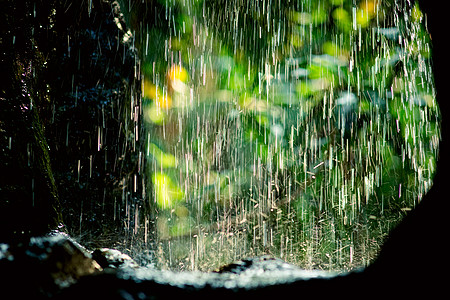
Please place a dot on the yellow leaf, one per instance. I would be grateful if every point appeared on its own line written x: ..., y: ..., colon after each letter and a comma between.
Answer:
x: 149, y: 90
x: 369, y: 7
x: 154, y: 114
x: 177, y: 72
x: 416, y: 14
x: 363, y: 18
x: 166, y: 191
x: 153, y: 92
x: 302, y: 18
x: 166, y: 160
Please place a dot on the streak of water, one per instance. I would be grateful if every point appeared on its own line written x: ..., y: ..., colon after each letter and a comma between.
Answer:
x: 304, y: 130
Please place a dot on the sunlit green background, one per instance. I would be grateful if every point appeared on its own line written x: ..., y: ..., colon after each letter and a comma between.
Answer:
x: 304, y: 130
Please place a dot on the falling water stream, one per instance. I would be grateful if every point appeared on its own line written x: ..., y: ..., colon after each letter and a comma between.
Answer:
x: 299, y: 129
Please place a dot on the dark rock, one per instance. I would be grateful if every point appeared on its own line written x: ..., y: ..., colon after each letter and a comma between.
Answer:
x: 112, y: 258
x: 44, y: 265
x: 260, y: 277
x: 57, y: 266
x: 266, y: 264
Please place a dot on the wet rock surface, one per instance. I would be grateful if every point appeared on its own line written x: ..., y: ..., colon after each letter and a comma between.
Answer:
x: 45, y: 265
x: 57, y: 266
x: 113, y: 259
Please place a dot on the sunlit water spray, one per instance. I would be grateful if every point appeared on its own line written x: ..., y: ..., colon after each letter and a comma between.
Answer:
x: 303, y: 130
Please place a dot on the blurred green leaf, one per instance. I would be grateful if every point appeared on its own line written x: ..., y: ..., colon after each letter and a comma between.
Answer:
x: 167, y: 192
x: 342, y: 18
x: 165, y: 160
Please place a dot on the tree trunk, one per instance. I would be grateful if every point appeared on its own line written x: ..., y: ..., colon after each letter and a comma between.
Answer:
x: 69, y: 105
x: 29, y: 202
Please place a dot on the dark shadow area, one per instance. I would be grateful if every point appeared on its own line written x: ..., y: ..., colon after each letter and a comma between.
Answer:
x: 69, y: 152
x: 410, y: 260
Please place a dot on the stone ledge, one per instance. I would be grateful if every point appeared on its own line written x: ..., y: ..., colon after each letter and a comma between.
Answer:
x: 57, y: 266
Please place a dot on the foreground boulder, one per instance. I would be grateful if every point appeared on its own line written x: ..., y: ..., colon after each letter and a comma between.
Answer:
x: 113, y: 259
x: 56, y: 266
x: 44, y: 265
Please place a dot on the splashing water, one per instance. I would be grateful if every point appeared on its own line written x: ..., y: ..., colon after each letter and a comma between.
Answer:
x: 304, y: 130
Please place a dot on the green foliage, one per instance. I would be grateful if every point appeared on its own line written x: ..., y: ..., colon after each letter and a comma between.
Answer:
x: 312, y: 148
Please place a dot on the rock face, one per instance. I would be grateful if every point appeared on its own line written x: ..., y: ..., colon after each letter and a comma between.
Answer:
x: 57, y: 266
x: 113, y: 259
x: 69, y: 104
x: 44, y: 265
